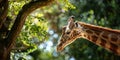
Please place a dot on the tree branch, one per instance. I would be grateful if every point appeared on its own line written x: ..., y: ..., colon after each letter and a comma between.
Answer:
x: 20, y: 20
x: 3, y: 11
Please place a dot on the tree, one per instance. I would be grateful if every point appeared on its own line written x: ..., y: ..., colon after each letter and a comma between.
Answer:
x: 8, y: 37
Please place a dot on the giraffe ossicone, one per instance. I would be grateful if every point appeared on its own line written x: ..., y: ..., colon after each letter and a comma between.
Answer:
x: 101, y: 36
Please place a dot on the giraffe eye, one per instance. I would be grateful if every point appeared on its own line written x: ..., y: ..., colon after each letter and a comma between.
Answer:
x: 68, y: 32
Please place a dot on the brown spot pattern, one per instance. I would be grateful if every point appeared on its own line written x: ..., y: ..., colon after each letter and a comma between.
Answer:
x: 114, y: 38
x: 103, y: 42
x: 88, y: 31
x: 104, y: 36
x: 84, y: 35
x: 113, y: 47
x: 88, y: 37
x: 94, y: 38
x: 97, y: 32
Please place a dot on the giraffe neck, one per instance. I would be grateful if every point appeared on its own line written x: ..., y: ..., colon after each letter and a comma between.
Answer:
x: 105, y: 37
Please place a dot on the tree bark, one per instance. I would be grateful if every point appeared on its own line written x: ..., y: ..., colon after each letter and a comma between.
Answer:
x: 3, y: 11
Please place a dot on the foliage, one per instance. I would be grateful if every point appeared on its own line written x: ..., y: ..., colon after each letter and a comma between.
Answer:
x: 15, y: 7
x: 67, y: 5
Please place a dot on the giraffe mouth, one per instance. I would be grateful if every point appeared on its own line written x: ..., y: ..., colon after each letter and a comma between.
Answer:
x: 61, y: 46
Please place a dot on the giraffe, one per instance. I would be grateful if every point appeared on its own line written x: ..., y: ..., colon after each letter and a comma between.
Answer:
x: 101, y: 36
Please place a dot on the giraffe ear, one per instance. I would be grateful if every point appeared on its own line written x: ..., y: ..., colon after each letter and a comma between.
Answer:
x: 71, y: 24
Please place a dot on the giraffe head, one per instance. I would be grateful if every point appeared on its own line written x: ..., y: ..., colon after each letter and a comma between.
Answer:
x: 69, y: 34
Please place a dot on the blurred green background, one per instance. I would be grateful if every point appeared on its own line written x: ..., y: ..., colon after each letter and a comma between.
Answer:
x: 42, y: 30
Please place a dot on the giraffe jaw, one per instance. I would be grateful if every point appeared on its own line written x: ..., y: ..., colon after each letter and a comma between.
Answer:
x: 61, y: 48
